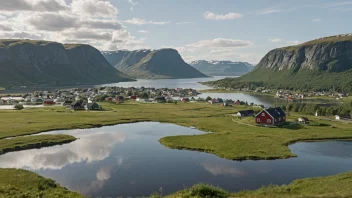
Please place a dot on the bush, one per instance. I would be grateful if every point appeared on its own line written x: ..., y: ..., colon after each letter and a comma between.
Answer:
x: 19, y: 107
x: 203, y: 191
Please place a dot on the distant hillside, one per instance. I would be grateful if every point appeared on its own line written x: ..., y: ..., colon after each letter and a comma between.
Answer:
x: 28, y: 62
x: 321, y: 64
x: 152, y: 64
x: 222, y: 68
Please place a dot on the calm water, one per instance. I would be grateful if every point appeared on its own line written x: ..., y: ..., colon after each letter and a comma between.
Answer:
x: 127, y: 160
x: 169, y: 83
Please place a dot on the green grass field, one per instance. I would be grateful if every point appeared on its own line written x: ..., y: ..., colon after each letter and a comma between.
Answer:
x: 2, y: 88
x: 230, y: 138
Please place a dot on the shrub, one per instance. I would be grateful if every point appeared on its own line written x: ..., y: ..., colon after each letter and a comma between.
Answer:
x: 203, y: 191
x: 19, y: 107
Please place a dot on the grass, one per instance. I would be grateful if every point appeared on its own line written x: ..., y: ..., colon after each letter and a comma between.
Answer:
x: 332, y: 186
x: 201, y: 191
x: 229, y: 139
x: 2, y: 88
x: 30, y: 142
x: 17, y: 183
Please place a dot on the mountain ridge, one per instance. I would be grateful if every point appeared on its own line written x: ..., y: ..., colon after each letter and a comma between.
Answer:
x: 320, y: 64
x: 152, y: 64
x: 222, y: 68
x: 34, y: 62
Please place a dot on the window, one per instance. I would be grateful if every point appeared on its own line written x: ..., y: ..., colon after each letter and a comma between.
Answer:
x: 258, y: 120
x: 279, y: 119
x: 268, y: 121
x: 263, y: 114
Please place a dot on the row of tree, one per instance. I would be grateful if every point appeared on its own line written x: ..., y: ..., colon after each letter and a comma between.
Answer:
x: 321, y: 109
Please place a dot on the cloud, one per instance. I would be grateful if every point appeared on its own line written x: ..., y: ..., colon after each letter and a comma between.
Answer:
x: 144, y: 31
x: 137, y: 21
x: 33, y: 5
x: 133, y: 4
x: 330, y: 5
x: 87, y: 34
x: 51, y: 21
x: 5, y: 27
x: 277, y: 40
x: 220, y: 42
x: 185, y: 22
x: 293, y: 42
x: 230, y: 16
x: 101, y: 8
x: 272, y: 10
x: 21, y: 35
x: 122, y: 39
x: 316, y: 20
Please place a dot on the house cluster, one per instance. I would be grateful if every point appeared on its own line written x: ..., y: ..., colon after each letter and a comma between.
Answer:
x: 287, y: 95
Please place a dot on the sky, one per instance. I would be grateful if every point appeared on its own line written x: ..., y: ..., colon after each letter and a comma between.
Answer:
x: 236, y: 30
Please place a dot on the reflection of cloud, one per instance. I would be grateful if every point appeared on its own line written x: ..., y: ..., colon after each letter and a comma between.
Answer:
x: 89, y: 148
x: 222, y: 169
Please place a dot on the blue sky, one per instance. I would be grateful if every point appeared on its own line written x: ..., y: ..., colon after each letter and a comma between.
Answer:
x: 237, y: 30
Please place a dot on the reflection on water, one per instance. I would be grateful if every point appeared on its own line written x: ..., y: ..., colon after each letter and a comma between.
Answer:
x: 127, y: 160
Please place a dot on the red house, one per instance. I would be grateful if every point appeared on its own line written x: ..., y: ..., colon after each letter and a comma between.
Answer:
x: 271, y: 116
x: 133, y: 97
x: 49, y: 102
x: 119, y: 99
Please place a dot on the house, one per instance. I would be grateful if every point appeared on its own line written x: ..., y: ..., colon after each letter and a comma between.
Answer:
x: 49, y: 102
x: 133, y: 97
x: 77, y: 105
x: 271, y: 116
x: 303, y: 120
x: 67, y: 103
x: 342, y: 117
x: 92, y: 106
x: 237, y: 102
x: 160, y: 99
x: 184, y: 99
x: 119, y: 99
x: 245, y: 113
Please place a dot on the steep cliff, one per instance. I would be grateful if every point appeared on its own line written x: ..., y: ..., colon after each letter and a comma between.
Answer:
x: 149, y: 64
x: 222, y: 68
x: 320, y: 64
x: 27, y: 62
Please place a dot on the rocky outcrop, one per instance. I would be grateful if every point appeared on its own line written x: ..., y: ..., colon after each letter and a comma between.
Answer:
x: 152, y: 64
x: 222, y: 68
x: 27, y: 62
x: 327, y: 54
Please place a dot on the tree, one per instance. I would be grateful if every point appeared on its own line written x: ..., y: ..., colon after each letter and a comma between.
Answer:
x: 19, y: 107
x: 208, y: 98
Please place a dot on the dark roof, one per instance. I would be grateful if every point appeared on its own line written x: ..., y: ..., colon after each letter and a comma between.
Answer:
x: 246, y: 112
x: 92, y: 105
x: 77, y: 103
x: 276, y: 112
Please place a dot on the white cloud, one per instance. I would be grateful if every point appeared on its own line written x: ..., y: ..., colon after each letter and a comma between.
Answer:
x: 137, y: 21
x: 51, y: 21
x: 101, y: 8
x: 144, y: 31
x: 185, y: 22
x: 330, y: 5
x: 5, y: 27
x: 33, y: 5
x: 133, y: 4
x: 219, y: 42
x: 272, y: 10
x: 21, y: 35
x: 316, y: 20
x: 277, y: 40
x: 86, y: 34
x: 230, y: 16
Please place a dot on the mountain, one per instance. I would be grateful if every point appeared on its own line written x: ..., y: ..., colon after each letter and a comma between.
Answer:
x: 29, y: 62
x: 152, y: 64
x: 321, y: 64
x: 222, y: 68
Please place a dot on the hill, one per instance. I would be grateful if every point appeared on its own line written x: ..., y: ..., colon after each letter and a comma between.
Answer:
x: 152, y: 64
x: 321, y: 64
x: 222, y: 68
x: 29, y: 62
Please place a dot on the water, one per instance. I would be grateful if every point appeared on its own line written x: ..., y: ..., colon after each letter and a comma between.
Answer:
x: 127, y: 160
x: 169, y: 83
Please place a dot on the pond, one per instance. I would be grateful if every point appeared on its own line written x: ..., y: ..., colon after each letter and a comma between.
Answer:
x: 127, y: 160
